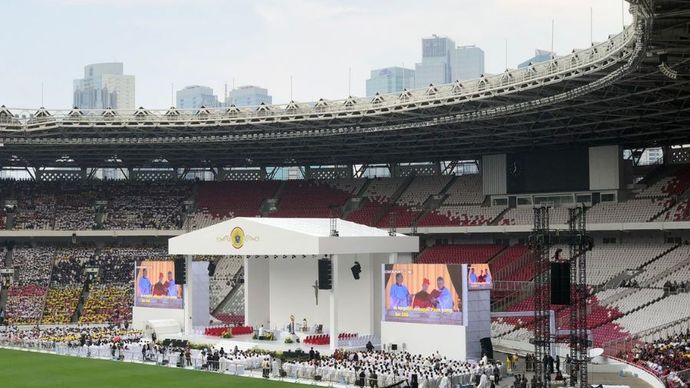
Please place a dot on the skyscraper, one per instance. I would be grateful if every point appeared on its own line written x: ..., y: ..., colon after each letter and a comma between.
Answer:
x: 390, y: 80
x: 196, y: 96
x: 467, y: 63
x: 435, y: 67
x: 104, y: 86
x: 249, y: 96
x: 539, y: 56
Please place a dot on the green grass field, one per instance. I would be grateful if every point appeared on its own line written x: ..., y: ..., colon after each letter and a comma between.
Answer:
x: 25, y: 369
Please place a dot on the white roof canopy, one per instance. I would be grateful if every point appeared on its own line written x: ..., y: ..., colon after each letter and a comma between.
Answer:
x: 288, y: 236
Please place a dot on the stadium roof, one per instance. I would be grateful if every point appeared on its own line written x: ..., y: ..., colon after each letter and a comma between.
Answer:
x: 630, y: 90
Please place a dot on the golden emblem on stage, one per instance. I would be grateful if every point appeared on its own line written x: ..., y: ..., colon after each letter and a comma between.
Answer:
x: 237, y: 237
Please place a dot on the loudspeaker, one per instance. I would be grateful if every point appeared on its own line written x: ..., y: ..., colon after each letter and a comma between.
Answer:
x: 560, y: 284
x: 487, y: 347
x: 211, y: 268
x: 356, y: 270
x: 325, y: 274
x: 180, y: 272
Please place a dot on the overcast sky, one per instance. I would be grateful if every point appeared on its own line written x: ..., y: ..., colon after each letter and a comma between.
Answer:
x: 264, y: 42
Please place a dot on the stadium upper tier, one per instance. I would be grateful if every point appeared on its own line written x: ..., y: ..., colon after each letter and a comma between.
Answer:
x: 630, y: 90
x: 424, y: 202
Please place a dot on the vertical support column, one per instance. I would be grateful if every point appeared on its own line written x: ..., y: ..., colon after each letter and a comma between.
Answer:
x: 257, y: 292
x: 188, y: 296
x: 333, y: 324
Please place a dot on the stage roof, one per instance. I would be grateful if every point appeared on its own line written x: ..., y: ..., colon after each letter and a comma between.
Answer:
x: 288, y: 236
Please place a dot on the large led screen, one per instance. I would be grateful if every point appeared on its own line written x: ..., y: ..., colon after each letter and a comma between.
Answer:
x: 423, y: 293
x: 155, y: 285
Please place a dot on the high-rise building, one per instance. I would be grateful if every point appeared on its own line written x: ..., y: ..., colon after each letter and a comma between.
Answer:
x: 104, y: 86
x: 249, y: 96
x: 467, y: 63
x: 435, y: 67
x: 539, y: 56
x: 390, y: 80
x: 196, y: 96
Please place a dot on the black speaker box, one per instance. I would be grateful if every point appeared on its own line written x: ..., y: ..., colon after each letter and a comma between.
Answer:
x: 560, y: 284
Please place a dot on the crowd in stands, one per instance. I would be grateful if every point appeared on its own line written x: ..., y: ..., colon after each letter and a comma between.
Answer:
x: 143, y: 205
x: 459, y: 201
x: 664, y: 356
x: 27, y: 294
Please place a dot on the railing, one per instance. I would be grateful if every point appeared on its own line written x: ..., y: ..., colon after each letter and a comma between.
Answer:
x: 169, y: 359
x: 537, y: 75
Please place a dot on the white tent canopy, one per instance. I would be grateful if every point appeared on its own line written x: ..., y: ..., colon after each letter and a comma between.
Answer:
x: 288, y: 236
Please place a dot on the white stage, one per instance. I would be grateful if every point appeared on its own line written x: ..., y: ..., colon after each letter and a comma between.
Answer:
x: 280, y: 269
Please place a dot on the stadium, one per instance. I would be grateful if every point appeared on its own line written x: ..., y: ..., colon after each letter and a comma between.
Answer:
x: 500, y: 231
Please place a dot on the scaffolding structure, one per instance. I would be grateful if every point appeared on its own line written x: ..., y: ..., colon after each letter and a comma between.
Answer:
x: 579, y: 243
x: 540, y: 243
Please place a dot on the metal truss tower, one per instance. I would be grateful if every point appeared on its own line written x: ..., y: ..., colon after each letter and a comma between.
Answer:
x: 540, y: 243
x: 579, y: 243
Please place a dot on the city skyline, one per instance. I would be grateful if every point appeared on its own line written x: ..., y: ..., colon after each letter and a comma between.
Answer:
x: 331, y: 60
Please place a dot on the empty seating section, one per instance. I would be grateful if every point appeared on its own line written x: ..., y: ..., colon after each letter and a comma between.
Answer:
x: 315, y: 199
x: 670, y: 186
x: 637, y: 299
x: 607, y: 260
x: 466, y: 190
x: 366, y: 214
x: 378, y: 193
x: 350, y: 186
x: 633, y: 210
x: 222, y: 281
x: 679, y: 212
x: 409, y: 206
x: 513, y: 264
x: 664, y: 264
x: 669, y: 309
x: 461, y: 215
x: 26, y: 296
x: 525, y: 216
x: 421, y: 188
x: 459, y: 254
x: 399, y: 216
x: 217, y: 201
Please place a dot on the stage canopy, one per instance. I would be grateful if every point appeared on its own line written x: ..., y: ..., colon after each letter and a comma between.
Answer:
x: 246, y: 236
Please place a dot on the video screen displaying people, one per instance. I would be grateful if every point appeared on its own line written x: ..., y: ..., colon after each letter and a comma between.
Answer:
x: 479, y: 277
x: 423, y: 293
x: 155, y: 285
